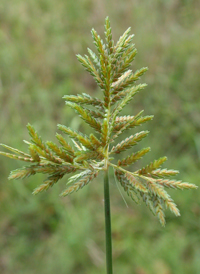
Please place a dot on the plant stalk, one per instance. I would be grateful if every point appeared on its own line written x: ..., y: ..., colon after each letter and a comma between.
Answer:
x: 107, y: 224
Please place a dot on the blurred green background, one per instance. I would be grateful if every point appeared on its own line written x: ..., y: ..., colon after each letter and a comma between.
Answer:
x: 38, y: 43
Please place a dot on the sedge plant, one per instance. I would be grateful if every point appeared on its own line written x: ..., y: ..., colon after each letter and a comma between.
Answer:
x: 86, y: 156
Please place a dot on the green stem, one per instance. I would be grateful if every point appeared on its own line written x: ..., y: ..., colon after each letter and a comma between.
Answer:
x: 108, y: 224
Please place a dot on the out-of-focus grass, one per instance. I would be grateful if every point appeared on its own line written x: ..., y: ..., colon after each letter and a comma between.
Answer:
x: 38, y: 43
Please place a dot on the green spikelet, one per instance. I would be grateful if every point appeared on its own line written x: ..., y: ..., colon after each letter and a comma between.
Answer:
x: 108, y: 35
x: 129, y: 142
x: 49, y: 182
x: 120, y: 121
x: 35, y: 137
x: 65, y: 145
x: 95, y: 140
x: 135, y: 183
x: 34, y: 154
x: 79, y: 137
x: 133, y: 157
x: 59, y: 152
x: 159, y: 210
x: 86, y: 62
x: 83, y: 181
x: 16, y: 157
x: 152, y: 166
x: 22, y: 173
x: 41, y: 188
x: 85, y: 99
x: 85, y: 156
x: 132, y: 192
x: 17, y: 151
x: 86, y: 116
x: 175, y: 184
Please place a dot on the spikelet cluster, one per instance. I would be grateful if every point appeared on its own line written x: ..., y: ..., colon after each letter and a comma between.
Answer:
x: 81, y: 156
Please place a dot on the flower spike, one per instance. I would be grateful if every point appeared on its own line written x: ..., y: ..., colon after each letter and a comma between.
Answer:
x: 82, y: 157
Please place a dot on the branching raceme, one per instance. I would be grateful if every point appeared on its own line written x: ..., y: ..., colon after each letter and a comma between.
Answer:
x: 86, y: 155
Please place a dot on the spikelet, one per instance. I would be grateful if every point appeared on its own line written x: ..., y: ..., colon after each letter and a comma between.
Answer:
x: 108, y: 82
x: 104, y: 132
x: 35, y: 137
x: 84, y: 99
x: 135, y: 182
x: 139, y: 73
x: 59, y: 152
x: 149, y: 201
x: 133, y: 157
x: 123, y: 61
x: 17, y: 151
x: 142, y: 120
x: 108, y: 35
x: 122, y: 82
x: 132, y: 192
x: 86, y: 116
x: 94, y: 113
x: 176, y: 184
x: 46, y: 153
x: 54, y: 169
x: 83, y: 181
x: 22, y: 173
x: 125, y: 96
x: 122, y: 40
x: 119, y: 122
x: 87, y: 155
x: 152, y: 166
x: 96, y: 143
x: 65, y: 145
x: 129, y: 142
x: 159, y: 211
x: 39, y: 146
x: 34, y: 154
x: 16, y: 157
x: 99, y: 44
x: 49, y: 182
x: 124, y: 127
x: 80, y: 137
x: 41, y: 188
x: 95, y: 59
x: 159, y: 191
x: 86, y: 62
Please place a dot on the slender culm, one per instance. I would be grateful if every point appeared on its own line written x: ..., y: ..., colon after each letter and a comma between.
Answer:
x: 108, y: 224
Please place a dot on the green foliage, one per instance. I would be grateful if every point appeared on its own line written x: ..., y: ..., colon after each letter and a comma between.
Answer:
x: 86, y: 155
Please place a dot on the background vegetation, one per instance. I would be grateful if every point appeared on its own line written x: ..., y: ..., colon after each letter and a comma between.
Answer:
x: 38, y: 43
